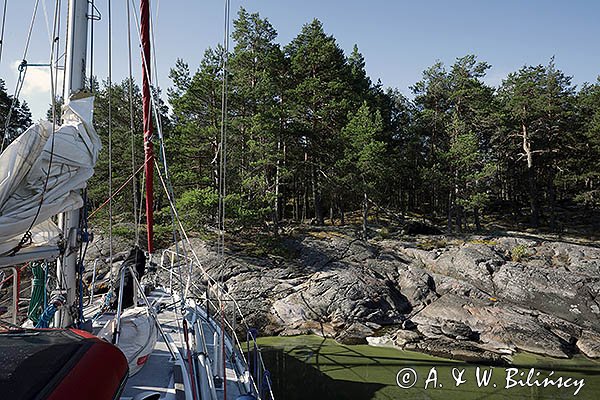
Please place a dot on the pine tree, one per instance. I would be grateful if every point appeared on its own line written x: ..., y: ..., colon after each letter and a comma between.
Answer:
x: 362, y: 169
x: 196, y: 104
x: 538, y: 103
x: 20, y: 116
x: 584, y: 176
x: 319, y: 105
x: 257, y: 136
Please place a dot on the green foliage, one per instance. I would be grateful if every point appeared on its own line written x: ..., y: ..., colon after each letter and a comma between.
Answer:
x: 538, y: 139
x: 455, y: 119
x: 309, y: 132
x: 123, y: 231
x: 519, y: 253
x: 20, y: 118
x: 383, y: 233
x: 264, y: 245
x: 432, y: 244
x: 361, y: 166
x: 484, y: 242
x: 198, y: 206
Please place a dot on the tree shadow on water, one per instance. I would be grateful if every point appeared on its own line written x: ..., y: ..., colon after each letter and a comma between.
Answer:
x: 294, y: 379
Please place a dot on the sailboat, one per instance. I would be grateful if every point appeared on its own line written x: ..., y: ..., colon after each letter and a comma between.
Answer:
x: 173, y: 340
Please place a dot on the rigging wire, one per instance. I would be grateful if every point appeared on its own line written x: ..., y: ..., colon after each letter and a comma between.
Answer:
x: 132, y: 130
x: 27, y: 237
x: 196, y: 259
x: 56, y: 41
x: 223, y: 139
x: 110, y: 177
x: 93, y: 17
x: 2, y: 29
x: 162, y: 153
x: 92, y: 49
x: 53, y: 84
x: 222, y: 183
x: 47, y: 23
x: 153, y: 58
x: 163, y: 157
x: 21, y: 78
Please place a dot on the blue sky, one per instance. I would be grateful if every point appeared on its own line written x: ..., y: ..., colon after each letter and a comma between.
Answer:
x: 399, y: 39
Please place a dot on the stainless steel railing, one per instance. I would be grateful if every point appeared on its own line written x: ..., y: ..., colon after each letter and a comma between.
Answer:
x: 171, y: 262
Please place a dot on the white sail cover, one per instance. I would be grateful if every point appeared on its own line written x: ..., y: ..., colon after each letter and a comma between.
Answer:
x: 24, y: 166
x: 137, y: 338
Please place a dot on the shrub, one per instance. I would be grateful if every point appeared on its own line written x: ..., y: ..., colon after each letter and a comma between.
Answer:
x: 519, y: 253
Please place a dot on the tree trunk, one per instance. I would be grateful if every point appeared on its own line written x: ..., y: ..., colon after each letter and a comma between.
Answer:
x: 331, y: 213
x: 305, y: 204
x: 342, y: 214
x: 365, y: 216
x: 476, y: 218
x: 533, y: 201
x: 296, y: 213
x: 277, y: 205
x: 552, y: 200
x: 450, y: 212
x: 319, y: 217
x: 459, y: 218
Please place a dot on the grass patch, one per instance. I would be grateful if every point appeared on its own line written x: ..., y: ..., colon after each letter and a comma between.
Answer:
x: 432, y: 244
x: 327, y: 234
x: 383, y: 233
x: 484, y: 242
x: 259, y: 244
x: 519, y: 253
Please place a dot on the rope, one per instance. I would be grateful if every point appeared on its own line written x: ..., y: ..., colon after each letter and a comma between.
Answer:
x: 116, y: 192
x: 46, y: 280
x: 80, y: 265
x: 48, y: 314
x: 38, y: 293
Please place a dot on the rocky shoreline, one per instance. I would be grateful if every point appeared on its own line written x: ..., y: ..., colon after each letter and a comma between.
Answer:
x: 476, y: 298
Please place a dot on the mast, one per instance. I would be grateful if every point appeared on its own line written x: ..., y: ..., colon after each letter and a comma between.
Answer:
x: 74, y: 82
x: 146, y: 104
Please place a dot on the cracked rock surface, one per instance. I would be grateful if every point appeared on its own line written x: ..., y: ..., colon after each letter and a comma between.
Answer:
x: 475, y: 298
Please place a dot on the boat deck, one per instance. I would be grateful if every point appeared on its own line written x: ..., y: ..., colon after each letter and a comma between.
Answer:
x: 162, y: 373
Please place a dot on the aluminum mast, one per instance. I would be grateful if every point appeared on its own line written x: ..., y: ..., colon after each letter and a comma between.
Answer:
x: 69, y: 222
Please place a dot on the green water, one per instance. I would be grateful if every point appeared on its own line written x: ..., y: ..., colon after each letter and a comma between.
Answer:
x: 309, y: 367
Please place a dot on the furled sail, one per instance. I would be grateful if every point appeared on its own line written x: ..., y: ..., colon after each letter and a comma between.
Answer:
x: 67, y: 158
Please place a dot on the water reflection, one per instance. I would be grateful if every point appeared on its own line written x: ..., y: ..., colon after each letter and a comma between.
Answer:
x: 312, y: 368
x: 297, y: 379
